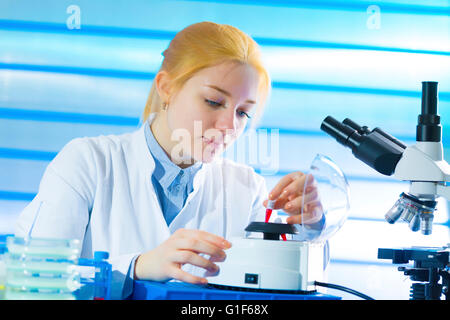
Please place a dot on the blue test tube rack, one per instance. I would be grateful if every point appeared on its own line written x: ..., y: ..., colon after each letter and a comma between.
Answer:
x: 103, y: 275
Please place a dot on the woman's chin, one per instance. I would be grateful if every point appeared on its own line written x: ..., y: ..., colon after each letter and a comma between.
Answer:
x: 209, y: 155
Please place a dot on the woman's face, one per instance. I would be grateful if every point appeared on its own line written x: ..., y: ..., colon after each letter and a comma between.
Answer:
x: 210, y: 111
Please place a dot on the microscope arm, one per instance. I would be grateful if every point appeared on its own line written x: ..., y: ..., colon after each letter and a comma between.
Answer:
x: 427, y: 175
x: 443, y: 191
x: 416, y: 165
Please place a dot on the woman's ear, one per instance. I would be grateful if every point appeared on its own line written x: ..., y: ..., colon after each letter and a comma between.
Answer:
x: 163, y: 84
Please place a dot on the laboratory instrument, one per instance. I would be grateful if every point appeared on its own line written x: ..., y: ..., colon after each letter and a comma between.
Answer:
x: 270, y: 206
x: 3, y: 238
x: 41, y: 269
x: 422, y: 164
x: 50, y: 269
x: 270, y: 264
x: 261, y: 261
x: 430, y: 272
x: 95, y: 277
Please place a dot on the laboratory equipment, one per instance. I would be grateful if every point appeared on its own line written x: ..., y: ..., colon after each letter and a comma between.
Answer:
x: 50, y: 269
x: 260, y: 261
x: 175, y: 290
x: 430, y: 273
x: 41, y: 269
x: 3, y: 250
x: 322, y: 218
x: 2, y: 273
x: 270, y: 206
x: 255, y: 263
x: 95, y: 276
x: 422, y: 164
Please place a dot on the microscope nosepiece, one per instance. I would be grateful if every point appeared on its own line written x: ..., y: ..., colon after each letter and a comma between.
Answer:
x: 417, y: 213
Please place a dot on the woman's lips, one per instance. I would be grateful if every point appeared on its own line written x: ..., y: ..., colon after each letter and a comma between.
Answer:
x: 212, y: 142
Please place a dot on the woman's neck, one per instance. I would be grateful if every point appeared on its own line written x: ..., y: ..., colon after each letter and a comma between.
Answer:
x: 162, y: 134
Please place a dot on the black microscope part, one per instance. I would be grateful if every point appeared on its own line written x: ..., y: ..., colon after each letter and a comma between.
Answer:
x: 430, y: 267
x: 431, y: 204
x: 428, y: 124
x: 375, y: 147
x: 271, y: 231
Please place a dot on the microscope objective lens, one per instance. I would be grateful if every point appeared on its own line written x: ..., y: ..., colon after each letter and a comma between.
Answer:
x: 426, y: 222
x: 394, y: 213
x: 414, y: 224
x: 409, y: 213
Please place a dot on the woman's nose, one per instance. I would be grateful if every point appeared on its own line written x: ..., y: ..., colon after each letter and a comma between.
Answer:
x: 226, y: 121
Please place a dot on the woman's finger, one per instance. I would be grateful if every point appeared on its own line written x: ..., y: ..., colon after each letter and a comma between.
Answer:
x: 214, y: 239
x: 295, y: 188
x: 310, y: 206
x: 206, y: 236
x: 186, y: 256
x: 283, y: 183
x: 294, y: 206
x: 291, y: 186
x: 199, y: 245
x: 307, y: 217
x: 178, y: 274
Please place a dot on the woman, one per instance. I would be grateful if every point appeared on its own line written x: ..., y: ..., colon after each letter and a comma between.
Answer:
x: 160, y: 199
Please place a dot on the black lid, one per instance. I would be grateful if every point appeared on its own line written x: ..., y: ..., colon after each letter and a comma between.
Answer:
x: 271, y: 231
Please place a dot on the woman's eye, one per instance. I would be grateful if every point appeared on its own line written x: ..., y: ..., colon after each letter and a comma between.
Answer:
x: 243, y: 113
x: 213, y: 103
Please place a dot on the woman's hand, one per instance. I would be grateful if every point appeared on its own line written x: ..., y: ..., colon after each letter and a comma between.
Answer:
x: 184, y: 246
x: 290, y: 193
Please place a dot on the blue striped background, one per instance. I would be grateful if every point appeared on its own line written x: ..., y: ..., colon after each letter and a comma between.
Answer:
x: 57, y: 84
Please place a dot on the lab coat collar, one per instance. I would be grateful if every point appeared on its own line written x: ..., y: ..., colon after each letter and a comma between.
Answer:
x: 147, y: 165
x: 165, y: 170
x: 147, y: 161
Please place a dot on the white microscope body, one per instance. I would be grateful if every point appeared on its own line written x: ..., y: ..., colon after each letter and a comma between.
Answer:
x: 422, y: 164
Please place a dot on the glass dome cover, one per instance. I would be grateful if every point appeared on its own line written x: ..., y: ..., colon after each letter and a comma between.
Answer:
x: 326, y: 205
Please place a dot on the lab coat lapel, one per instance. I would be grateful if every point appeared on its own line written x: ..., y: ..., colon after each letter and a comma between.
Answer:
x: 204, y: 208
x: 193, y: 202
x: 148, y: 166
x: 191, y: 205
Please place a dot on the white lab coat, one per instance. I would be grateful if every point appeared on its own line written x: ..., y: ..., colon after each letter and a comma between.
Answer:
x: 99, y: 190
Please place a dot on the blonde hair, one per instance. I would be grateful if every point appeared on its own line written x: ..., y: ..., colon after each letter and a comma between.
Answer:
x: 206, y: 44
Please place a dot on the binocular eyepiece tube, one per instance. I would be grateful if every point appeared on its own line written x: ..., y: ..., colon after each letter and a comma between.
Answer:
x: 376, y: 148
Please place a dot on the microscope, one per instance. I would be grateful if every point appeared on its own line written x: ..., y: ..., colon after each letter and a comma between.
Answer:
x: 424, y: 167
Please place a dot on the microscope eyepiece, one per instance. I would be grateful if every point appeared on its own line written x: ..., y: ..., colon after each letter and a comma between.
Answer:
x: 361, y: 130
x: 340, y: 132
x: 429, y: 97
x: 428, y: 124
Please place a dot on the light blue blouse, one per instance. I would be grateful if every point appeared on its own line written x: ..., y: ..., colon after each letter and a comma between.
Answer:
x: 172, y: 183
